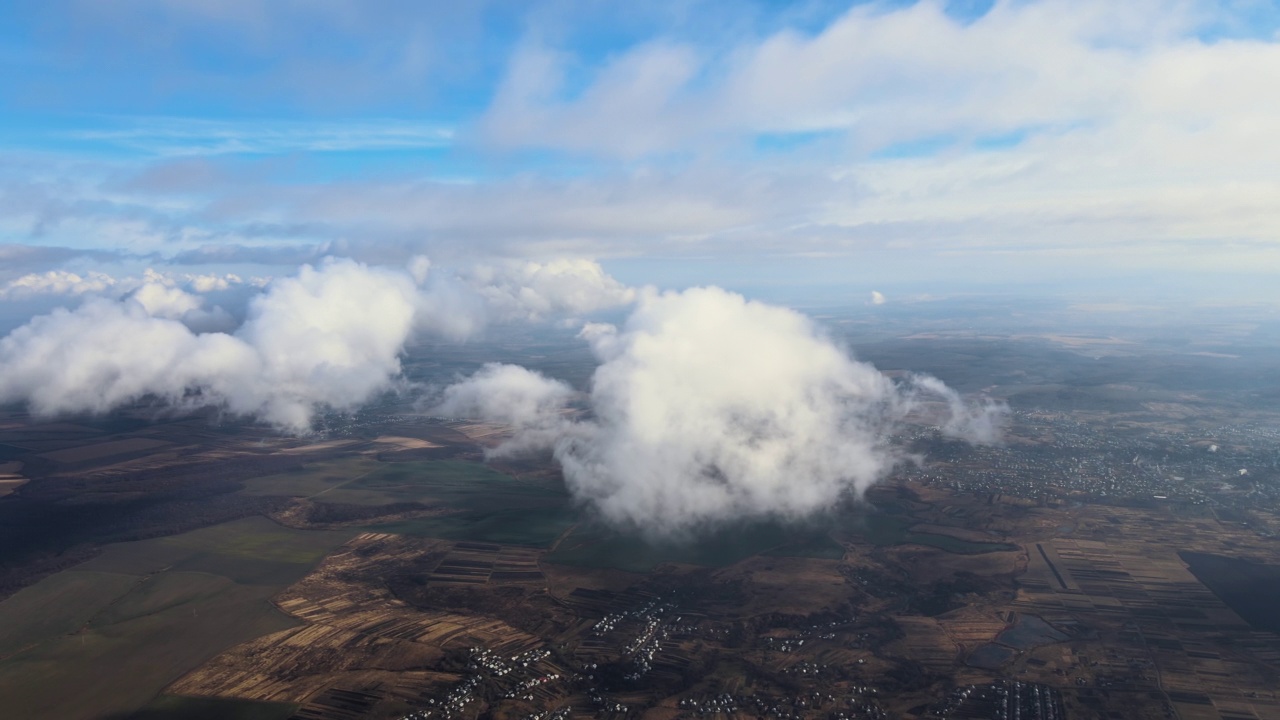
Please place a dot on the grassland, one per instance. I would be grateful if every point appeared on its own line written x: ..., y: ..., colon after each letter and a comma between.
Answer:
x: 459, y: 484
x: 177, y: 707
x: 596, y: 547
x: 313, y: 479
x: 887, y: 530
x: 364, y: 481
x: 108, y: 635
x: 589, y: 546
x: 532, y: 526
x: 58, y: 605
x: 478, y: 503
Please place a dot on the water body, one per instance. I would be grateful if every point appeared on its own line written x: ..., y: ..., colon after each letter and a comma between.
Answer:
x: 1029, y: 632
x: 1249, y: 588
x: 990, y: 656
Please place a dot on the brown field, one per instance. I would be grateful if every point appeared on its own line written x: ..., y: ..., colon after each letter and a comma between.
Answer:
x: 1093, y: 600
x: 484, y: 433
x: 355, y: 634
x: 11, y: 477
x: 329, y: 446
x: 956, y: 532
x: 90, y: 453
x: 406, y: 443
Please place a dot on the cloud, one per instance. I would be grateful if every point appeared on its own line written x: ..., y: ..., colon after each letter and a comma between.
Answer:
x: 193, y: 137
x: 458, y: 303
x: 533, y: 405
x: 307, y: 344
x: 160, y: 300
x: 888, y: 74
x: 208, y: 283
x: 906, y: 138
x: 329, y: 337
x: 16, y: 259
x: 535, y: 290
x: 292, y: 254
x: 709, y: 408
x: 57, y: 282
x: 982, y: 422
x: 160, y: 286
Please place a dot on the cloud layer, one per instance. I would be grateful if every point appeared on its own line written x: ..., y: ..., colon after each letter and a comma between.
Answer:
x: 329, y: 337
x: 707, y: 408
x: 1015, y: 139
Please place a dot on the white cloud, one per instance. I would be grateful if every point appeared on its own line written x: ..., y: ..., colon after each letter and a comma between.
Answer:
x: 164, y: 301
x: 328, y: 337
x: 1125, y: 133
x: 153, y: 287
x: 531, y: 404
x: 535, y: 290
x: 981, y: 422
x: 56, y: 282
x: 708, y: 408
x: 458, y: 304
x: 212, y: 283
x: 1051, y: 124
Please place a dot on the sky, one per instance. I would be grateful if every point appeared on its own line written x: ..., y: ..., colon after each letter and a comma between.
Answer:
x: 1083, y: 147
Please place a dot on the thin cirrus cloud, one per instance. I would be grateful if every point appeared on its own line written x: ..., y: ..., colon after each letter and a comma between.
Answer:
x: 903, y: 136
x: 195, y: 137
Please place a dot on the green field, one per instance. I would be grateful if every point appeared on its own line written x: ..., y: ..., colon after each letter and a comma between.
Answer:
x: 819, y: 546
x: 112, y: 632
x: 602, y: 548
x: 177, y: 707
x: 884, y: 530
x: 314, y: 479
x: 60, y: 604
x: 457, y: 483
x: 362, y: 481
x: 531, y: 526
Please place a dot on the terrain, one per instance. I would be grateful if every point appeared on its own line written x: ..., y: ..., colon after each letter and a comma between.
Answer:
x: 1112, y: 557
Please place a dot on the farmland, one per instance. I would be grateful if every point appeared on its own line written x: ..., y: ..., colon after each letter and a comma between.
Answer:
x: 1102, y: 560
x: 145, y: 610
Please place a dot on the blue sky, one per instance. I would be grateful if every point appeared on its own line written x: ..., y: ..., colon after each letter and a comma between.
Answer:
x: 1079, y: 146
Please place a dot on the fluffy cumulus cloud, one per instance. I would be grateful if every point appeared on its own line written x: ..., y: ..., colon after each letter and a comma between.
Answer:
x: 330, y: 336
x: 534, y: 405
x: 160, y: 300
x: 535, y: 290
x: 56, y: 282
x: 707, y: 408
x: 458, y: 303
x: 66, y: 283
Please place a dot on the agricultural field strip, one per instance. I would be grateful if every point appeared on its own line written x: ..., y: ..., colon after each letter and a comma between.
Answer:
x: 340, y: 619
x: 112, y: 448
x: 1176, y: 626
x: 472, y: 564
x: 343, y: 484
